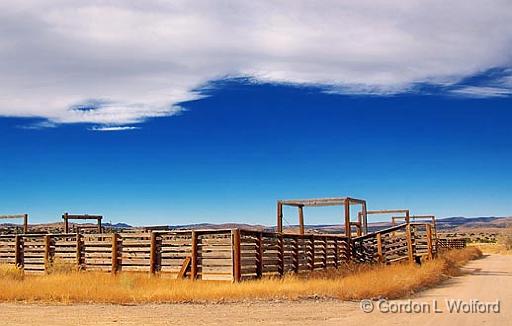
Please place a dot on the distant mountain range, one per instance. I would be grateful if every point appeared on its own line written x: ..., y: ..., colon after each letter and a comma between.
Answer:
x: 443, y: 224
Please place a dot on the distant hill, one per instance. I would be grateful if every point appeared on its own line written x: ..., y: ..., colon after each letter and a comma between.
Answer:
x: 456, y: 223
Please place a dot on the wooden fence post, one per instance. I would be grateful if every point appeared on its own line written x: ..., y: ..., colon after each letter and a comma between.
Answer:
x: 429, y: 241
x: 47, y: 248
x: 66, y: 223
x: 17, y: 251
x: 259, y: 255
x: 379, y: 248
x: 115, y: 253
x: 410, y: 247
x: 152, y: 253
x: 237, y: 268
x: 280, y: 244
x: 25, y: 223
x: 193, y: 257
x: 78, y: 251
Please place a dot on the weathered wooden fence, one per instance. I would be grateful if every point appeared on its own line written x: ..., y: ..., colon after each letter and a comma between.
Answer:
x: 266, y: 253
x: 402, y: 242
x: 447, y: 243
x: 231, y: 255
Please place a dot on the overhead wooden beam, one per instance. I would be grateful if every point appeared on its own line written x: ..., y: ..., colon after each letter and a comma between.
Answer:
x: 15, y: 216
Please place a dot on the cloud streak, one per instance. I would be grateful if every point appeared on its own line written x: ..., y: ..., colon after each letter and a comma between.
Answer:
x: 137, y: 60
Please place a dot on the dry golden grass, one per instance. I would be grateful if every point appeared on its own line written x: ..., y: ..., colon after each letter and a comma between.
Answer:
x: 350, y: 284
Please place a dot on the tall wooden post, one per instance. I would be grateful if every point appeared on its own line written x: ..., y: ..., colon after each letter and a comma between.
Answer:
x: 365, y: 218
x: 279, y: 217
x: 193, y: 257
x: 66, y: 225
x: 348, y: 231
x: 47, y: 248
x: 25, y: 223
x: 78, y: 251
x: 100, y: 229
x: 115, y: 253
x: 152, y: 253
x: 410, y: 247
x: 379, y: 248
x: 301, y: 219
x: 237, y: 268
x: 17, y: 251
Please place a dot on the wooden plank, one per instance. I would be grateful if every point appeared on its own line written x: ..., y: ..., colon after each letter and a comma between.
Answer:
x: 184, y: 267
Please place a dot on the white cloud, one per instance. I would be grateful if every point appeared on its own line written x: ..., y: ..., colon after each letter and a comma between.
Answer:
x: 140, y: 59
x: 483, y: 91
x: 113, y: 128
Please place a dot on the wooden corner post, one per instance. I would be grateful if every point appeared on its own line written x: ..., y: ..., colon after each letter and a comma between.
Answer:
x: 237, y: 268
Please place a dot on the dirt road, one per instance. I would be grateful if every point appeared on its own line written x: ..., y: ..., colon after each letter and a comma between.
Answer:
x: 489, y: 279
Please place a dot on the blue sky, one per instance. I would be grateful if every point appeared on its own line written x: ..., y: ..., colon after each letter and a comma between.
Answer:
x: 230, y: 155
x: 177, y: 112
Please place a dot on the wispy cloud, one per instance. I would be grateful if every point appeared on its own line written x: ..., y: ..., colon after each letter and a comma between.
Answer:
x: 483, y: 91
x: 497, y: 83
x: 113, y: 128
x: 122, y: 62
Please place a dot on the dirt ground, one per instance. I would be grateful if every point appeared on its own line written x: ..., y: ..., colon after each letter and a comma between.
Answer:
x: 488, y: 279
